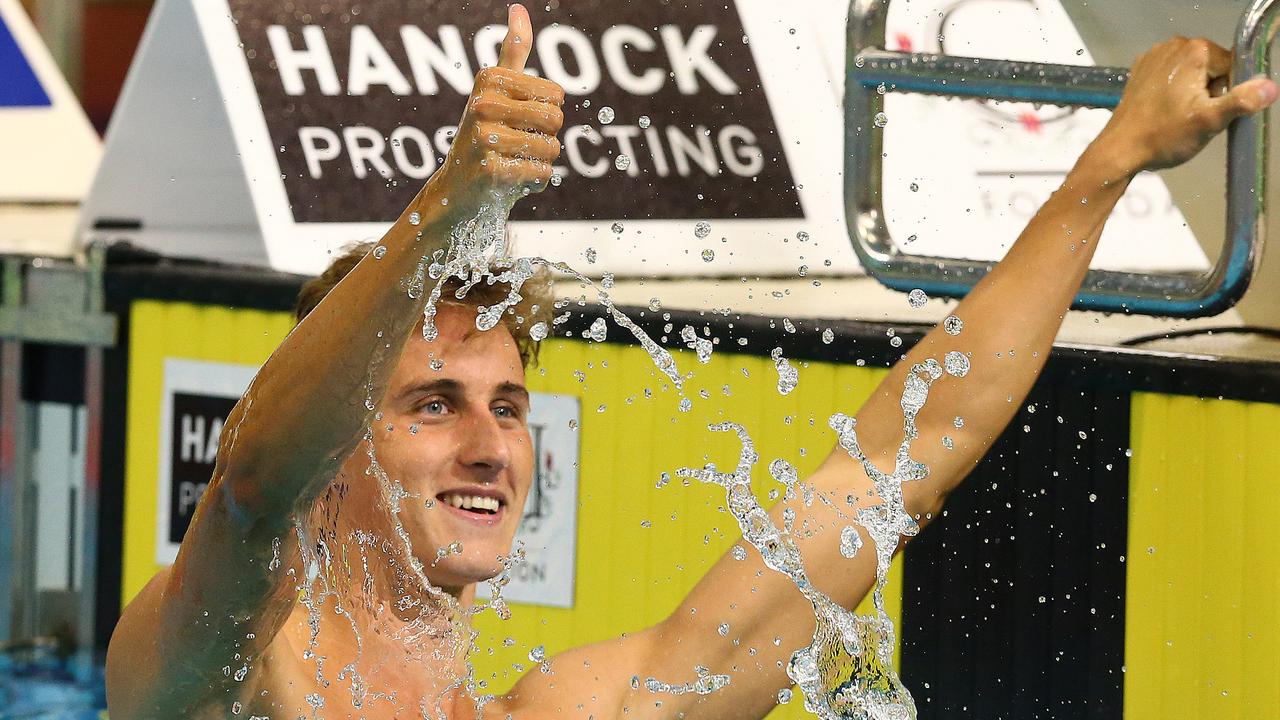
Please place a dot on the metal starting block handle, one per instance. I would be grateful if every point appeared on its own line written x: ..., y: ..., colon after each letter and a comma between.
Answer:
x: 868, y: 66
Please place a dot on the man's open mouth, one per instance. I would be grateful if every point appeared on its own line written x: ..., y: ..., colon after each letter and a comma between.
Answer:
x: 477, y: 504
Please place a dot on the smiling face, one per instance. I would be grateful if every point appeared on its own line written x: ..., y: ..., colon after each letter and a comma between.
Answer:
x: 458, y: 441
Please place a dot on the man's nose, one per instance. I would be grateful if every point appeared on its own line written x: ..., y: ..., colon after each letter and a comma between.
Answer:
x: 484, y: 444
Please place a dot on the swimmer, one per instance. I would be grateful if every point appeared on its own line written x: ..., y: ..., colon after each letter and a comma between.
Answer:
x: 223, y: 633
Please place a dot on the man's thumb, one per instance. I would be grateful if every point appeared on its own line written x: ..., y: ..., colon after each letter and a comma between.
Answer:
x: 518, y: 43
x: 1251, y: 96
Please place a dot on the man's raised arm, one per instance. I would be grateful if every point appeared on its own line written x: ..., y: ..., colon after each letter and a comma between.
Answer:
x: 744, y: 619
x: 307, y: 409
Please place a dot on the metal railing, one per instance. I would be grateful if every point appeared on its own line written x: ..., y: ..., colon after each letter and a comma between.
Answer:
x: 869, y: 66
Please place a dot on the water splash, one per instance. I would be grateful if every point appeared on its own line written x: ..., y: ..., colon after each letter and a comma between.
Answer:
x: 846, y: 673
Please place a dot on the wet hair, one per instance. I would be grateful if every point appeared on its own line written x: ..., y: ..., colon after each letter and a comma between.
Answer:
x: 536, y: 304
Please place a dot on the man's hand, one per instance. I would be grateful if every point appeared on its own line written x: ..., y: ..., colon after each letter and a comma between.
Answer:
x: 1176, y: 101
x: 507, y: 135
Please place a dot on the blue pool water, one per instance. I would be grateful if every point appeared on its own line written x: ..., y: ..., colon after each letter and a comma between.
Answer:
x: 44, y: 688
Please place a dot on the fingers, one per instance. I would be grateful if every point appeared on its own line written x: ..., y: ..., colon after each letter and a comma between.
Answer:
x: 515, y: 143
x: 520, y: 114
x: 534, y: 174
x: 519, y: 86
x: 518, y: 43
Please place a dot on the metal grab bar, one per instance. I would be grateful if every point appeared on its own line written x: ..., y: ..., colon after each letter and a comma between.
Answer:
x: 868, y: 66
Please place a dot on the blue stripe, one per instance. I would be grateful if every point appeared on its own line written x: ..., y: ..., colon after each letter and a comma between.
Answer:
x: 19, y: 86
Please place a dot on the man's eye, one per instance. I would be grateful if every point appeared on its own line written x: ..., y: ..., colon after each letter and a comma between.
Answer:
x: 435, y: 407
x: 504, y: 411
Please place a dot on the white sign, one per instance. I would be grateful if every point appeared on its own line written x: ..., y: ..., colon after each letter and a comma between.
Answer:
x: 549, y: 529
x: 196, y: 400
x: 272, y: 133
x: 963, y: 178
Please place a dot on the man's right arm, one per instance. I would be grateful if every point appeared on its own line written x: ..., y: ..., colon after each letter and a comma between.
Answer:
x: 223, y: 600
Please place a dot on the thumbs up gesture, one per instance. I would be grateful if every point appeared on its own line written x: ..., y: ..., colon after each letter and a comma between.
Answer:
x: 507, y: 135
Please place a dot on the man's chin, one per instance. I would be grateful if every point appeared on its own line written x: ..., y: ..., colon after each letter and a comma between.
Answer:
x: 457, y: 572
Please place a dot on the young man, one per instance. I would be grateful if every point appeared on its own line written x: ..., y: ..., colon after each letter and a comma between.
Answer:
x: 223, y: 633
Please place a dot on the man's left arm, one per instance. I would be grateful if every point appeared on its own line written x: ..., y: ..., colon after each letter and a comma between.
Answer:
x: 745, y: 620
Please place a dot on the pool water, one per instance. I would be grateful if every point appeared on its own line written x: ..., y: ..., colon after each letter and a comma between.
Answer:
x: 42, y: 687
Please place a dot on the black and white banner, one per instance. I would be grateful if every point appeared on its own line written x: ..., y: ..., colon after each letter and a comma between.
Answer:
x: 197, y: 398
x: 665, y: 114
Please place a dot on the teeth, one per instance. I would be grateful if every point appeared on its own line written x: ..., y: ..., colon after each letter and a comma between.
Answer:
x: 473, y: 502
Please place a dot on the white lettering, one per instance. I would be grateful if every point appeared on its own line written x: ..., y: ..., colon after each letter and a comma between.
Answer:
x: 549, y: 42
x: 365, y: 147
x: 400, y: 137
x: 371, y: 65
x: 611, y: 45
x: 211, y: 443
x: 192, y: 434
x: 699, y: 150
x: 690, y: 59
x: 449, y: 58
x: 290, y: 63
x: 189, y: 495
x: 488, y: 44
x: 574, y: 154
x: 314, y: 154
x: 745, y: 160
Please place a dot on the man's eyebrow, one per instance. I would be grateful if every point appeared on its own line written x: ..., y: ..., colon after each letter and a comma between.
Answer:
x: 443, y: 386
x: 510, y: 388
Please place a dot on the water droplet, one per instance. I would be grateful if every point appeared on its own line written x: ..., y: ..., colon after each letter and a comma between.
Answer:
x: 605, y: 115
x: 591, y: 255
x: 788, y: 376
x: 917, y: 298
x: 586, y: 103
x: 556, y: 179
x: 788, y: 325
x: 702, y: 229
x: 850, y: 541
x: 379, y: 252
x: 616, y: 228
x: 802, y: 236
x: 956, y: 363
x: 436, y: 364
x: 655, y: 304
x: 881, y: 120
x: 948, y: 443
x: 708, y: 255
x: 538, y: 332
x: 912, y: 238
x: 493, y: 138
x: 784, y: 696
x: 622, y: 162
x: 598, y: 330
x: 915, y: 187
x: 537, y: 654
x: 958, y: 422
x: 952, y: 325
x: 723, y: 629
x: 739, y: 552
